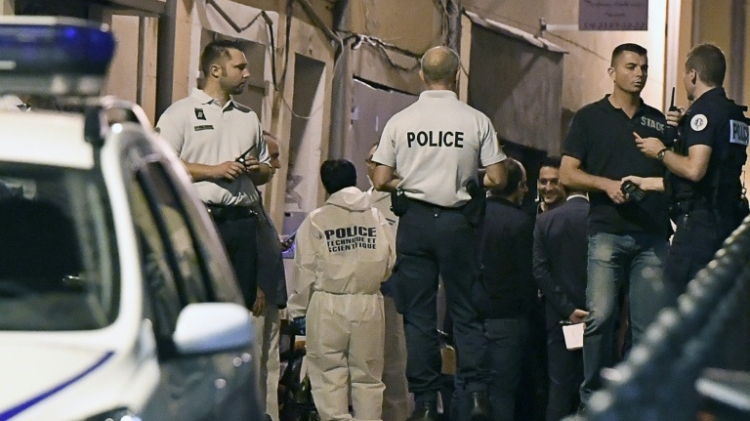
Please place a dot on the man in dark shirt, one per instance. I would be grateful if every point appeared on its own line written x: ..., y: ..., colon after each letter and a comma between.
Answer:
x: 627, y: 238
x: 703, y: 180
x: 560, y: 260
x: 551, y: 191
x: 505, y: 295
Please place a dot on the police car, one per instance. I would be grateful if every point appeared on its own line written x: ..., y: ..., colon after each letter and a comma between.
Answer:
x: 116, y: 299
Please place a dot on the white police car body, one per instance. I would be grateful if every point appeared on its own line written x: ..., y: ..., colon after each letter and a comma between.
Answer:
x: 116, y: 299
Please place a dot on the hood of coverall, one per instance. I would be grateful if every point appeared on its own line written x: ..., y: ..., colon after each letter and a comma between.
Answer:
x: 350, y: 198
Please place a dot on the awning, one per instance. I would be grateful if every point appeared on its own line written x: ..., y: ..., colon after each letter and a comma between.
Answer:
x: 516, y: 79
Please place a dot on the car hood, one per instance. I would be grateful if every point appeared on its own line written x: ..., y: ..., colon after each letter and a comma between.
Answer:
x: 58, y: 381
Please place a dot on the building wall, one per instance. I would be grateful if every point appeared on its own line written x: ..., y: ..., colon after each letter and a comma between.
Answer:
x: 412, y: 25
x: 585, y: 77
x: 713, y: 23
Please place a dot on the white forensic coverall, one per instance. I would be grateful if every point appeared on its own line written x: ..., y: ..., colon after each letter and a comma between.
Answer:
x: 344, y: 251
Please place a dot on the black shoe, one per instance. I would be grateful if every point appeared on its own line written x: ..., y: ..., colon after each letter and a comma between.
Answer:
x: 480, y: 407
x: 425, y: 412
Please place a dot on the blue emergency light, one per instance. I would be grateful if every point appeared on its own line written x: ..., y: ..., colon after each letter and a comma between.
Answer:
x: 53, y: 56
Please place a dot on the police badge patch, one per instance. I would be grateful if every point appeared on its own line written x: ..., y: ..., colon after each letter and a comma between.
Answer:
x: 738, y: 133
x: 698, y: 122
x: 199, y: 114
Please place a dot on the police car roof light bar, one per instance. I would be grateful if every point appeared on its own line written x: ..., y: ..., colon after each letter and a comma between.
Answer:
x: 53, y: 56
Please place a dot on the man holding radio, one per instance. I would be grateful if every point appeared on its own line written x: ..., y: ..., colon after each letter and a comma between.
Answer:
x: 627, y: 239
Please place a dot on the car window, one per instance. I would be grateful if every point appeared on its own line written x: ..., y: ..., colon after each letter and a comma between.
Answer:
x: 164, y: 299
x: 221, y: 281
x: 172, y: 225
x: 58, y: 260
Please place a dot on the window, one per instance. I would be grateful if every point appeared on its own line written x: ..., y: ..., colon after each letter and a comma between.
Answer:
x: 58, y: 260
x: 180, y: 251
x: 159, y: 281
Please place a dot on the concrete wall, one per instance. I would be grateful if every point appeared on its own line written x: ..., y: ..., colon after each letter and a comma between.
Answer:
x: 412, y: 25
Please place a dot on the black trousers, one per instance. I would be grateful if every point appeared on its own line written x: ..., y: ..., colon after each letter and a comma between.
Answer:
x: 240, y: 241
x: 565, y: 370
x: 434, y: 241
x: 698, y: 237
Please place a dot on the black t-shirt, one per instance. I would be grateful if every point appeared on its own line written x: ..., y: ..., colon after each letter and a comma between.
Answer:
x: 714, y: 121
x: 601, y: 137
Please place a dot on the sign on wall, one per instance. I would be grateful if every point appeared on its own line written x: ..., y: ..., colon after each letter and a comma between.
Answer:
x: 613, y: 15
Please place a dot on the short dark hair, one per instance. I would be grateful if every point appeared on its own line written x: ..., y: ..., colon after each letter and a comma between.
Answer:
x: 337, y: 174
x: 551, y: 161
x: 709, y: 62
x: 515, y: 175
x: 633, y: 48
x: 216, y: 50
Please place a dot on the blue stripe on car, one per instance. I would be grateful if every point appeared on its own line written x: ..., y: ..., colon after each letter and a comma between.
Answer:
x: 12, y: 412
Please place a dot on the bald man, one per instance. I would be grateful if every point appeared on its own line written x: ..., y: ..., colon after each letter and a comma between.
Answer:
x: 437, y: 146
x: 267, y: 317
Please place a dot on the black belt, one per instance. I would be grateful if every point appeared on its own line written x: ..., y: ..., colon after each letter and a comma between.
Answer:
x: 230, y: 213
x: 686, y: 206
x: 422, y: 203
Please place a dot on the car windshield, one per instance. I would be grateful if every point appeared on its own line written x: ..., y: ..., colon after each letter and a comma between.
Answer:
x: 57, y: 251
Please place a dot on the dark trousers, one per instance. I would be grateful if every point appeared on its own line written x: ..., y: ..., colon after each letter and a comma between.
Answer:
x: 698, y: 237
x: 239, y: 237
x: 432, y: 241
x: 531, y: 397
x: 507, y: 344
x: 565, y: 370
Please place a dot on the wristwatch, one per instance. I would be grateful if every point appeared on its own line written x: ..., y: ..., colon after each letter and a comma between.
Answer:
x: 660, y: 155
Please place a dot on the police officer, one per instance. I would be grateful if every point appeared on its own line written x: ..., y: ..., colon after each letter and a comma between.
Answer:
x: 210, y: 132
x: 704, y: 168
x: 437, y: 146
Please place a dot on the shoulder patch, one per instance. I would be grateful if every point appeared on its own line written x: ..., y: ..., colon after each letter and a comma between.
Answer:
x: 698, y: 122
x: 738, y: 132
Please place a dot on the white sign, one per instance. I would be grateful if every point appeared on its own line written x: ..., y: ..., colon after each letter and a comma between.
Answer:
x: 613, y: 15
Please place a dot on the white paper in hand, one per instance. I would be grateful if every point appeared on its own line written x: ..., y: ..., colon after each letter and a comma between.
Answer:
x: 573, y: 336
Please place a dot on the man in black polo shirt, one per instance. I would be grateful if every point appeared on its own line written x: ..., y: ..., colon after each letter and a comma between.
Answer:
x: 627, y: 239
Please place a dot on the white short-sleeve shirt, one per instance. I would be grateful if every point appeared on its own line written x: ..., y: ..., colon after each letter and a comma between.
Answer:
x: 201, y: 131
x: 436, y: 146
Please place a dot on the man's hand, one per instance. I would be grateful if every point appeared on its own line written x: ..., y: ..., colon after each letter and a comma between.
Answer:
x: 674, y: 117
x: 650, y: 146
x: 646, y: 183
x: 578, y: 316
x: 229, y: 170
x: 251, y: 164
x: 260, y: 303
x: 612, y: 188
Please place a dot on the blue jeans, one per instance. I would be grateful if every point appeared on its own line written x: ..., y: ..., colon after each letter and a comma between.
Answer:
x: 615, y: 261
